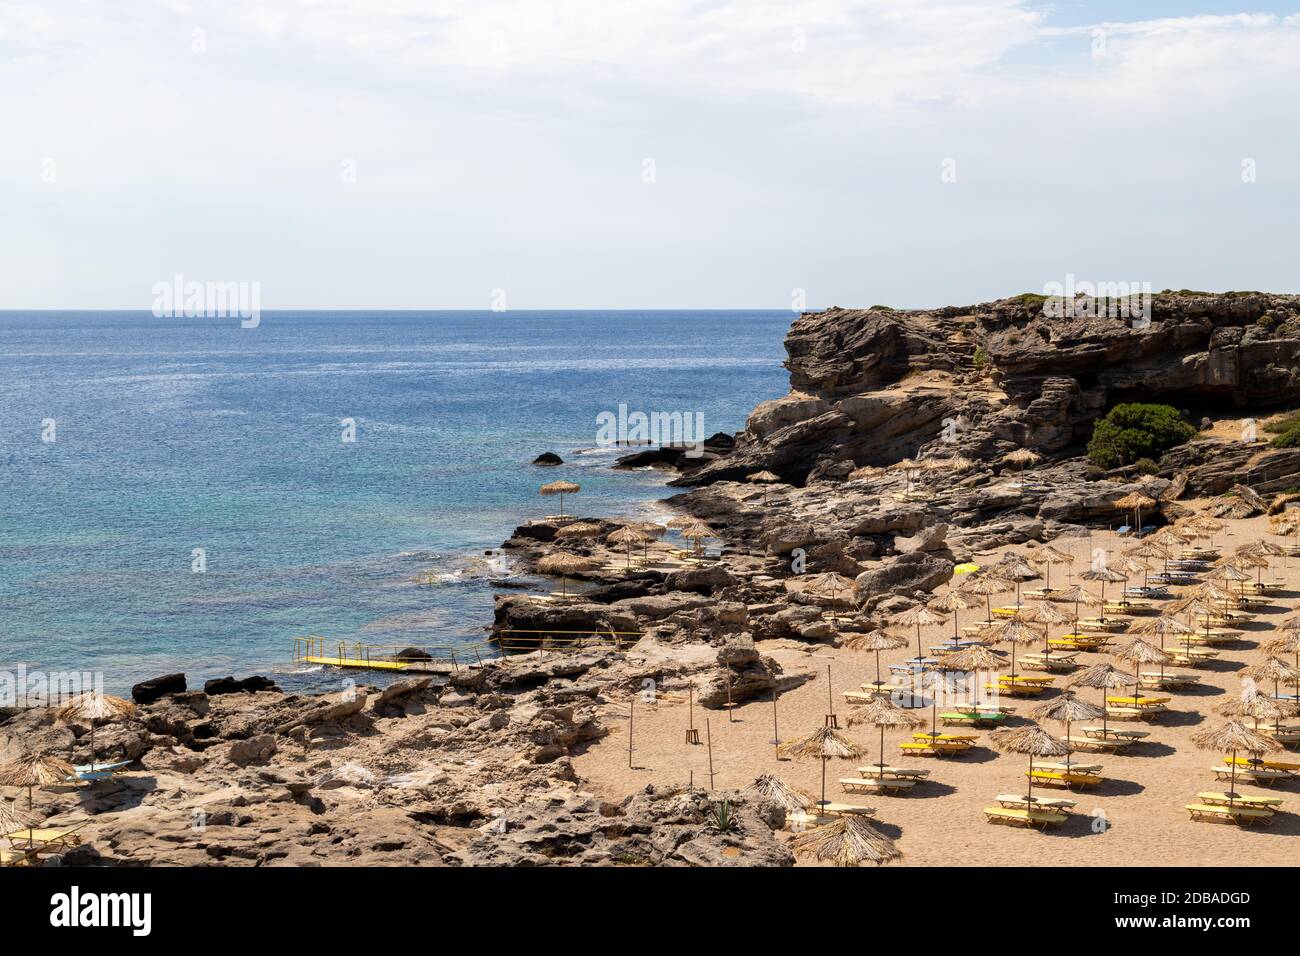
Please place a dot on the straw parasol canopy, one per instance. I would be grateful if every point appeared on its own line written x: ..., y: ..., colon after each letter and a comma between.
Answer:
x: 1022, y: 457
x: 972, y: 660
x: 1067, y: 708
x: 1046, y: 556
x: 824, y: 744
x: 1045, y: 613
x: 1014, y: 630
x: 560, y: 488
x: 579, y: 529
x: 1273, y: 669
x: 986, y: 584
x: 35, y: 770
x: 875, y: 641
x: 1135, y: 501
x: 1288, y: 642
x: 1103, y: 677
x: 769, y: 786
x: 882, y: 713
x: 683, y: 521
x: 919, y: 616
x: 1104, y: 575
x: 563, y: 564
x: 1138, y: 652
x: 696, y: 532
x: 629, y: 536
x: 95, y: 706
x: 830, y: 583
x: 11, y: 818
x: 952, y: 602
x: 763, y: 478
x: 1232, y: 737
x: 1256, y: 706
x: 848, y: 841
x: 1031, y: 741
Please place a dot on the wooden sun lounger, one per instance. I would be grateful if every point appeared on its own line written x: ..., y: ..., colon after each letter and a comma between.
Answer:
x: 1095, y: 743
x: 1021, y: 817
x: 1240, y: 799
x: 1023, y: 679
x: 46, y: 837
x: 1120, y: 733
x: 1017, y: 690
x: 1168, y: 680
x: 1061, y: 778
x: 983, y: 719
x: 1104, y: 625
x: 844, y: 809
x: 945, y: 738
x: 875, y: 784
x: 1039, y: 803
x: 1259, y: 776
x: 1243, y: 816
x: 867, y: 696
x: 1057, y: 663
x: 875, y: 770
x: 936, y: 748
x: 1285, y: 765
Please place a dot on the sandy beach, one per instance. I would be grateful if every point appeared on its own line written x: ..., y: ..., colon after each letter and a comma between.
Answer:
x: 941, y: 822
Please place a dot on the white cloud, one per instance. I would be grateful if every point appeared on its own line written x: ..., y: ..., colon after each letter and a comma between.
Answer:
x: 500, y: 142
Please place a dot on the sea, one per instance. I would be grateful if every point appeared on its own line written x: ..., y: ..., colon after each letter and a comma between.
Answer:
x: 187, y: 494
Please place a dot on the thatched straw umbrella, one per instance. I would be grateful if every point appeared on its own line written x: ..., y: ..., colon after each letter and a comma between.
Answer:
x: 828, y: 583
x: 881, y: 713
x: 1014, y: 569
x: 1136, y: 501
x: 769, y: 786
x: 919, y: 616
x: 560, y: 488
x: 1079, y: 596
x: 848, y: 841
x: 875, y: 641
x: 1194, y: 606
x: 579, y: 530
x: 764, y: 478
x: 94, y: 706
x: 1045, y: 557
x: 1024, y: 457
x: 652, y: 529
x: 952, y: 602
x: 824, y: 744
x: 1163, y: 626
x: 986, y: 585
x: 563, y: 564
x: 1274, y: 669
x: 1153, y: 547
x: 629, y: 537
x: 1287, y: 643
x: 696, y: 532
x: 972, y: 660
x: 1232, y: 737
x: 682, y: 521
x: 1045, y: 613
x: 1256, y: 706
x: 1104, y: 575
x: 1138, y: 653
x: 1031, y: 741
x: 1103, y: 677
x: 1014, y: 630
x: 35, y: 770
x: 1067, y: 708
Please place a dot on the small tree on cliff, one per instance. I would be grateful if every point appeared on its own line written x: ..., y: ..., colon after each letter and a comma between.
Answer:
x: 1133, y: 431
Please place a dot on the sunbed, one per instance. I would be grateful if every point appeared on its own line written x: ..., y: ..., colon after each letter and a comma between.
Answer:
x: 1287, y: 765
x: 1063, y: 778
x: 1169, y: 680
x: 43, y: 838
x: 1096, y: 743
x: 981, y: 719
x: 875, y: 770
x: 1105, y: 625
x: 16, y: 857
x: 928, y: 737
x: 1055, y: 663
x: 1244, y: 816
x: 875, y: 784
x: 1038, y: 803
x: 844, y: 809
x: 1238, y: 799
x: 1021, y: 817
x: 934, y: 748
x: 1258, y: 775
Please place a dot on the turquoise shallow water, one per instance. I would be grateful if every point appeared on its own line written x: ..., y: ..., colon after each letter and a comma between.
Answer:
x: 179, y: 434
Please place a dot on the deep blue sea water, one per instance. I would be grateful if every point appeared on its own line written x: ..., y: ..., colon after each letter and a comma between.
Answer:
x: 172, y: 435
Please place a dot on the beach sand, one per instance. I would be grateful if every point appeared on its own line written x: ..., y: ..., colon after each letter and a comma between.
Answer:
x: 941, y: 823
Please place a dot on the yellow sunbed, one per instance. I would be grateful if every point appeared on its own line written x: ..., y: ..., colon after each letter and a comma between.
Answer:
x: 1020, y: 817
x: 1240, y: 815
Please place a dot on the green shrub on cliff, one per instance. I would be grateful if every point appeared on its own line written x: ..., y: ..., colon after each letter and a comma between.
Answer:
x: 1135, y: 430
x: 1288, y: 439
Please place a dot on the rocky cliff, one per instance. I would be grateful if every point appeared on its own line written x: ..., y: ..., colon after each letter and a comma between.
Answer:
x: 870, y: 387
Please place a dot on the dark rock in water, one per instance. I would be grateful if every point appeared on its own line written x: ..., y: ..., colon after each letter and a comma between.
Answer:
x: 413, y: 654
x: 148, y: 691
x: 228, y: 685
x: 548, y: 458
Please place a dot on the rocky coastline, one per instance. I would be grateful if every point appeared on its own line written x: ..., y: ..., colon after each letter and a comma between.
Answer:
x: 479, y: 769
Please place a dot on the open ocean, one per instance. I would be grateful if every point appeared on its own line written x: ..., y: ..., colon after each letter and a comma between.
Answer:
x: 172, y: 435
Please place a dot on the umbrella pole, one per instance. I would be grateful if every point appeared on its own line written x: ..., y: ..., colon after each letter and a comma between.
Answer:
x: 1068, y: 744
x: 882, y: 750
x: 1232, y: 793
x: 822, y: 803
x: 1030, y: 799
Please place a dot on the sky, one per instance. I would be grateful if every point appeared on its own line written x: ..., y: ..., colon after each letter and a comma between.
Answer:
x: 590, y: 154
